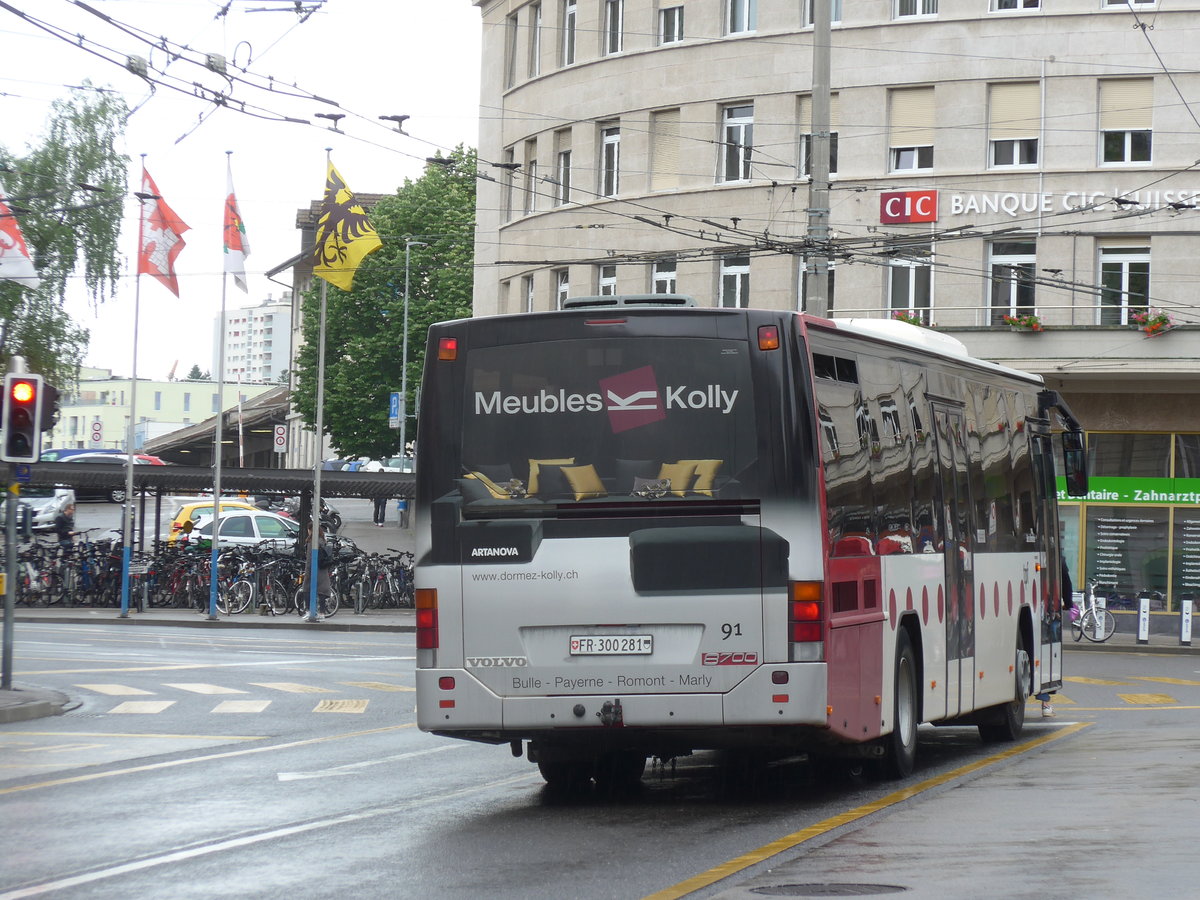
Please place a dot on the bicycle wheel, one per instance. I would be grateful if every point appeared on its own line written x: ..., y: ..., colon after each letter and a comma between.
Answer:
x: 237, y: 597
x: 1099, y: 625
x: 381, y: 595
x: 276, y: 596
x: 328, y: 606
x: 1077, y: 627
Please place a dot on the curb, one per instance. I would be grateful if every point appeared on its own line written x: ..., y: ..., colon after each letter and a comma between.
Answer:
x: 276, y: 622
x: 22, y: 704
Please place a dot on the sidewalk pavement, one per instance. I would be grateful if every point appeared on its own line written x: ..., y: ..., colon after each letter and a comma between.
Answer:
x: 22, y: 703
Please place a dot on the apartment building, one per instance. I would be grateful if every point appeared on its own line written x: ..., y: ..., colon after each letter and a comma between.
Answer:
x: 257, y: 341
x: 991, y: 161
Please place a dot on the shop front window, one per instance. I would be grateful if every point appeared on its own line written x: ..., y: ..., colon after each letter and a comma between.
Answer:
x: 1127, y: 550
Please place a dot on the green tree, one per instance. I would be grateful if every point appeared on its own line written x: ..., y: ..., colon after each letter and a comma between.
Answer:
x: 364, y: 327
x: 194, y: 374
x: 67, y: 194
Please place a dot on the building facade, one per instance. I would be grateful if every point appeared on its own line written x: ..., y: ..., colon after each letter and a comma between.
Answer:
x: 257, y: 341
x: 1020, y: 174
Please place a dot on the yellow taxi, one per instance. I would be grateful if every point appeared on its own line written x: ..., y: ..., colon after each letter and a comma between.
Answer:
x: 199, y: 512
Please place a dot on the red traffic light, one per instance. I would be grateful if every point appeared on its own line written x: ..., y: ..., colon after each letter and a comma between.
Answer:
x: 23, y: 391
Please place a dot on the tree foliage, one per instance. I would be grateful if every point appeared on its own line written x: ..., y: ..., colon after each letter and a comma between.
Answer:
x: 364, y: 327
x: 67, y: 194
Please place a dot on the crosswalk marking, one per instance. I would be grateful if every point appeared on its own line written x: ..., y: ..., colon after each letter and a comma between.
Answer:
x: 293, y: 688
x: 206, y: 688
x: 115, y: 690
x: 377, y: 686
x: 141, y: 707
x: 241, y: 706
x: 341, y: 706
x: 1148, y: 699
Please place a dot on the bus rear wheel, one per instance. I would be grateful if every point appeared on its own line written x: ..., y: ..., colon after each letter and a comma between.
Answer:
x: 1006, y: 725
x: 900, y: 747
x: 566, y: 774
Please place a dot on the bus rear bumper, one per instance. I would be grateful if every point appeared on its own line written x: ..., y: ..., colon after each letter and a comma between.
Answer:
x: 783, y: 694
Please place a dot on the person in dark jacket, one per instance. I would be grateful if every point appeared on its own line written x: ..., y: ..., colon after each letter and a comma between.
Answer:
x: 64, y: 525
x: 1068, y: 602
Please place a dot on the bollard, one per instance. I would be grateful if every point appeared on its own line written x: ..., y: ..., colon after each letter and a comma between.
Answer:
x: 1185, y: 622
x: 1143, y: 634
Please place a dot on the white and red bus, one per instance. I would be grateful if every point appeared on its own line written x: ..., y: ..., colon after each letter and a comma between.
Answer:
x: 646, y: 528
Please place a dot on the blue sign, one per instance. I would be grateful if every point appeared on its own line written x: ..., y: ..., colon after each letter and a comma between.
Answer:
x: 22, y: 473
x: 394, y: 410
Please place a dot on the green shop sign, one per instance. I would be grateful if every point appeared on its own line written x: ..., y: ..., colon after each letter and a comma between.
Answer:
x: 1151, y: 491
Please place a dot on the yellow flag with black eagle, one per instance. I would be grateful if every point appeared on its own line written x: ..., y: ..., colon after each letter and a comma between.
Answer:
x: 344, y: 235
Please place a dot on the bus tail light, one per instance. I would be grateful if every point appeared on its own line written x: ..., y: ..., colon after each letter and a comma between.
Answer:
x: 806, y: 620
x: 427, y: 619
x: 768, y: 337
x: 448, y: 348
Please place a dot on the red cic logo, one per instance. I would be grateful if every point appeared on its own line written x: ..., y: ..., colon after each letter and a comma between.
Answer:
x: 632, y: 399
x: 896, y: 207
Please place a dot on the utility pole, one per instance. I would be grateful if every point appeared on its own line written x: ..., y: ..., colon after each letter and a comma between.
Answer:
x: 817, y: 268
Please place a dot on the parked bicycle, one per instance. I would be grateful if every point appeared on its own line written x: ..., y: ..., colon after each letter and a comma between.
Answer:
x: 1094, y: 622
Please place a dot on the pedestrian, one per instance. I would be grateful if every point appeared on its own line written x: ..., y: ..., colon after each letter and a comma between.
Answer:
x: 64, y: 525
x: 380, y: 513
x: 1068, y: 603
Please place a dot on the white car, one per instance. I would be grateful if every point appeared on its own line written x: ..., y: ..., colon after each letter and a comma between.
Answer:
x: 246, y: 527
x: 43, y: 503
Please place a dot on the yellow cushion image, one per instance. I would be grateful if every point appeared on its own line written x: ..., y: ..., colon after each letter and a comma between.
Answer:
x: 679, y: 474
x: 584, y: 482
x: 533, y: 470
x: 494, y: 489
x: 706, y: 474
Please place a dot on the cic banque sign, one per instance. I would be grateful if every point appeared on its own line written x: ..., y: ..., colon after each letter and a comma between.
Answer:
x: 898, y: 207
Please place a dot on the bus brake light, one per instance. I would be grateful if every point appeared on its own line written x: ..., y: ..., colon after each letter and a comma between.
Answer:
x: 768, y: 337
x: 427, y: 619
x: 448, y: 348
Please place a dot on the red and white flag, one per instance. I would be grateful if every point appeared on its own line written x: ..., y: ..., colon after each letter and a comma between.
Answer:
x: 161, y: 236
x: 15, y: 262
x: 237, y: 246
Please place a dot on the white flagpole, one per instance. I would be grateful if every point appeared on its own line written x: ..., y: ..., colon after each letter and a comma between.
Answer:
x: 127, y: 519
x: 315, y: 537
x: 241, y: 439
x: 218, y: 432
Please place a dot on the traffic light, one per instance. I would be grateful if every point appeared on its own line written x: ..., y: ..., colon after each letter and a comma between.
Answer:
x: 22, y: 440
x: 50, y: 408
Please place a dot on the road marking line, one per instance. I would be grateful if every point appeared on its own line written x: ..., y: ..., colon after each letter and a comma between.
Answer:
x: 206, y: 688
x: 241, y: 706
x: 341, y: 706
x: 115, y: 690
x: 348, y: 768
x: 293, y: 688
x: 1079, y: 679
x: 790, y: 841
x: 152, y: 736
x: 141, y: 707
x: 206, y: 849
x: 1161, y: 680
x: 378, y: 686
x: 170, y: 764
x: 1061, y: 699
x: 1148, y: 699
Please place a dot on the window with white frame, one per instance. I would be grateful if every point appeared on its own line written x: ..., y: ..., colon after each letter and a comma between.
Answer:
x: 562, y: 287
x: 1014, y: 124
x: 664, y: 149
x: 614, y: 25
x: 662, y: 276
x: 509, y: 183
x: 535, y: 40
x: 530, y: 201
x: 510, y: 50
x: 569, y: 16
x: 804, y: 119
x: 1126, y: 114
x: 610, y: 160
x: 1013, y: 277
x: 527, y: 292
x: 670, y: 25
x: 835, y: 12
x: 1126, y: 4
x: 606, y: 282
x: 906, y: 8
x: 740, y: 16
x: 735, y: 281
x: 562, y: 168
x: 805, y: 273
x: 737, y: 143
x: 911, y: 129
x: 1014, y: 5
x: 1124, y: 283
x: 910, y: 282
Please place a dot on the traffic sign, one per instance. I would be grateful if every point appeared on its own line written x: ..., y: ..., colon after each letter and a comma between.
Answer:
x: 394, y: 410
x: 22, y: 473
x: 281, y: 438
x: 97, y: 439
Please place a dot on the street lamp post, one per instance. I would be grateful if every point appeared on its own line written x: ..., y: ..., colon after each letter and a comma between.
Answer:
x: 408, y: 245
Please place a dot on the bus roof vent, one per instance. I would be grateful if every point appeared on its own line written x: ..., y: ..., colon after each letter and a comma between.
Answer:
x: 612, y: 301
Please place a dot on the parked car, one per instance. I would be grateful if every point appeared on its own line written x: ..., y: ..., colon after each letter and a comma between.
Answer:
x: 199, y: 512
x: 243, y: 526
x: 112, y: 494
x: 73, y: 454
x: 40, y: 504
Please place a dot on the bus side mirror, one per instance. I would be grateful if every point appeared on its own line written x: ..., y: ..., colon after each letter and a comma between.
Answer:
x: 1075, y: 464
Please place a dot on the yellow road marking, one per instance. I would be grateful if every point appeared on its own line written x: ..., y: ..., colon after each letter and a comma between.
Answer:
x: 1079, y: 679
x: 115, y: 690
x: 61, y: 748
x: 1148, y: 699
x: 293, y: 688
x: 1161, y: 680
x: 1061, y: 699
x: 170, y: 764
x: 377, y: 685
x: 241, y: 706
x: 206, y: 688
x: 789, y: 841
x: 341, y: 706
x: 92, y: 670
x: 141, y: 707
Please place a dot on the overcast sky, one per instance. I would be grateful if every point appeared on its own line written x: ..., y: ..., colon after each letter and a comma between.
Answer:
x: 371, y: 57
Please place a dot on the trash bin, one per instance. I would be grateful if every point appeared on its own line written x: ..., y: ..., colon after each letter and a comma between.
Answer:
x: 402, y: 512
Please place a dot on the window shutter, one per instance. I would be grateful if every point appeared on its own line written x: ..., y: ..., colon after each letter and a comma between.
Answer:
x: 912, y: 117
x: 664, y: 173
x: 1016, y: 111
x: 1126, y: 104
x: 805, y: 114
